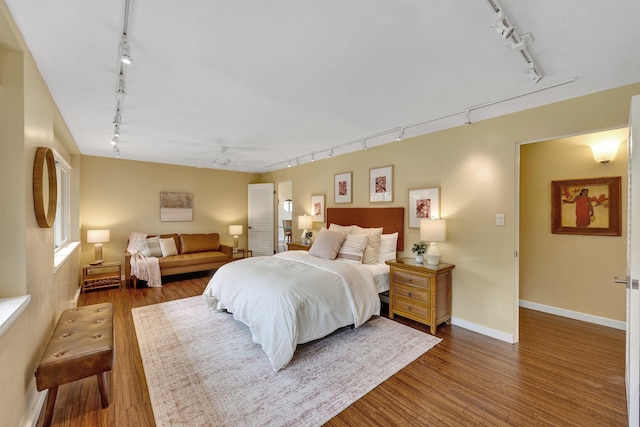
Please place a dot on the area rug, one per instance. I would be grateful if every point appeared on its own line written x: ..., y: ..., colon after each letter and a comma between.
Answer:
x: 202, y: 368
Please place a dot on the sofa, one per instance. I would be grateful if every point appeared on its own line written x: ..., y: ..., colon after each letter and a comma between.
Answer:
x: 195, y: 252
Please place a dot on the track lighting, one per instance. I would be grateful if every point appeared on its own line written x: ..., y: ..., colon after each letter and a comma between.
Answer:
x: 116, y: 151
x: 297, y: 161
x: 121, y: 88
x: 117, y: 117
x: 533, y: 73
x: 289, y: 165
x: 502, y: 26
x: 116, y: 131
x: 330, y: 153
x: 401, y: 135
x: 467, y: 118
x: 114, y: 140
x: 313, y: 157
x: 364, y: 144
x: 125, y: 51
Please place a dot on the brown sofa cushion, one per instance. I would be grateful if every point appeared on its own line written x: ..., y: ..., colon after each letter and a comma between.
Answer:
x: 193, y: 243
x: 192, y: 259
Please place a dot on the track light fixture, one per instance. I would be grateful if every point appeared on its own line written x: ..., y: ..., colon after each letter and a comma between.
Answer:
x: 502, y: 26
x: 116, y: 151
x: 116, y: 131
x: 330, y: 153
x: 289, y: 165
x: 533, y: 73
x: 121, y: 87
x: 467, y: 118
x: 125, y: 51
x: 313, y: 157
x: 401, y: 135
x: 297, y: 161
x: 364, y: 144
x: 114, y: 140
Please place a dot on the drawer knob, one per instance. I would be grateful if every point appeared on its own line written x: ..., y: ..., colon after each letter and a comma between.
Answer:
x: 410, y: 294
x: 410, y: 308
x: 410, y: 280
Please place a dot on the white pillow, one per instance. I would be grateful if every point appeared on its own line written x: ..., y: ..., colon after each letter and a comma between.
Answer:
x: 327, y: 244
x: 387, y: 250
x: 346, y: 229
x: 352, y: 249
x: 373, y: 243
x: 168, y: 247
x: 150, y: 247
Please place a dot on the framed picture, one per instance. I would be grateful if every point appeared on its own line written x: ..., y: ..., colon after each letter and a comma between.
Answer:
x: 424, y: 203
x: 317, y: 208
x: 586, y: 206
x: 176, y: 206
x: 342, y: 188
x: 381, y: 184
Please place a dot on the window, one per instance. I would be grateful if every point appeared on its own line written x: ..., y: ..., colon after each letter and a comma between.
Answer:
x: 62, y: 223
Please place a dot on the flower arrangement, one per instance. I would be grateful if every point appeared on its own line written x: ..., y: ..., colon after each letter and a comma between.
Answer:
x: 308, y: 234
x: 419, y: 248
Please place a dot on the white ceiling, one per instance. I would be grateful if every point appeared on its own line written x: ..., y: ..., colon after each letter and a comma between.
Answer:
x: 264, y: 82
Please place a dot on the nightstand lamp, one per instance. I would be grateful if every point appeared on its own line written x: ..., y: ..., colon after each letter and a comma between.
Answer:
x: 305, y: 223
x: 433, y: 231
x: 98, y: 237
x: 235, y: 231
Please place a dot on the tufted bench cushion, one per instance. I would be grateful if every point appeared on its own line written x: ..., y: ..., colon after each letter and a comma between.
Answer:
x: 81, y: 345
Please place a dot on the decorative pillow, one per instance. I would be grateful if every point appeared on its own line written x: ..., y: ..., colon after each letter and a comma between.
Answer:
x: 346, y: 229
x: 150, y: 247
x: 387, y: 250
x: 327, y: 244
x: 168, y: 247
x: 373, y: 243
x: 352, y: 249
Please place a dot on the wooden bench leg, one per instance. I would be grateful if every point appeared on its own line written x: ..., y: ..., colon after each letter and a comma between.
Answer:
x: 104, y: 393
x: 51, y: 402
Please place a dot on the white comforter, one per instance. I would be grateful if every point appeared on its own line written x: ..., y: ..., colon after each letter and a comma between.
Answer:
x: 292, y: 298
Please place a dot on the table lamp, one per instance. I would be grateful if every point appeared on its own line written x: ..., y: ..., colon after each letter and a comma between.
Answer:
x: 98, y: 237
x: 433, y: 231
x: 304, y: 223
x: 235, y: 231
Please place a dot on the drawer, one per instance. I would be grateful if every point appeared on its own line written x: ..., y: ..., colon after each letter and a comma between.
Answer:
x: 410, y: 308
x: 410, y: 279
x: 411, y: 292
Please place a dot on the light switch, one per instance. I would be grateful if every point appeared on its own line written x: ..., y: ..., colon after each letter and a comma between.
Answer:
x: 499, y: 219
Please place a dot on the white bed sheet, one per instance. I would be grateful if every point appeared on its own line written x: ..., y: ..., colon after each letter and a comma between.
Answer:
x: 292, y: 298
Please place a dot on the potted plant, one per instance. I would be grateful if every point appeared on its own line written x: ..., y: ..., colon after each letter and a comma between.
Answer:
x: 419, y: 249
x: 308, y: 235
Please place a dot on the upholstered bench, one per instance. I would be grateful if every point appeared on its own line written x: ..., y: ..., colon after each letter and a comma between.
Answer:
x: 81, y: 346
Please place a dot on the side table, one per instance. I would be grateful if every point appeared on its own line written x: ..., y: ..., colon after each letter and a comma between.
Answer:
x: 242, y: 253
x: 98, y: 276
x: 297, y: 246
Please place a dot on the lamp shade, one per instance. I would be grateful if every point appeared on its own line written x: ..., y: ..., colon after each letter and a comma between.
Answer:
x: 433, y: 230
x: 235, y: 230
x: 305, y: 222
x: 605, y: 151
x: 97, y: 236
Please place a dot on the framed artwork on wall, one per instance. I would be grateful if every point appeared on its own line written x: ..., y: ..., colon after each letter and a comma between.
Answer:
x: 317, y: 208
x: 381, y: 184
x: 176, y: 206
x: 424, y: 203
x: 342, y: 188
x: 586, y: 206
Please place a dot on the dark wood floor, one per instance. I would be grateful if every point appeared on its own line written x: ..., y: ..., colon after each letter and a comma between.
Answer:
x: 562, y: 373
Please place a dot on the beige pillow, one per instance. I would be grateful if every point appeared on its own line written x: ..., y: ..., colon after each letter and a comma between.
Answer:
x: 327, y: 244
x: 373, y: 243
x: 352, y: 249
x: 168, y: 247
x: 388, y: 243
x: 346, y: 229
x: 150, y: 247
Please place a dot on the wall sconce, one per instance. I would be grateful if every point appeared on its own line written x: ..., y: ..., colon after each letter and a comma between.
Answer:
x: 235, y: 231
x: 433, y: 231
x: 98, y: 237
x: 605, y: 151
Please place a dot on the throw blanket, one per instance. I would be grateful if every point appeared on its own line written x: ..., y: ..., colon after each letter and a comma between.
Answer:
x: 144, y: 268
x: 292, y: 298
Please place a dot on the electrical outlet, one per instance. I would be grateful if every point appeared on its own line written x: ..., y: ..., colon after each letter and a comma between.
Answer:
x: 499, y: 219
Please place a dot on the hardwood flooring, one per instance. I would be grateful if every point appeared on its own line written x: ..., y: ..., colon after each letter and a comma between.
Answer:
x: 562, y: 373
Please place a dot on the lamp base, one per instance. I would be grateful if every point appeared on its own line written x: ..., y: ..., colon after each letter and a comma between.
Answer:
x: 433, y: 254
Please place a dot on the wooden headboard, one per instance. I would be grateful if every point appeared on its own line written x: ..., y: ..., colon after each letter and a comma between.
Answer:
x: 391, y: 219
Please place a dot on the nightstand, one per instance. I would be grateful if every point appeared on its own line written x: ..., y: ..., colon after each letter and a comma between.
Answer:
x: 420, y: 292
x: 98, y: 276
x: 297, y: 246
x: 242, y: 253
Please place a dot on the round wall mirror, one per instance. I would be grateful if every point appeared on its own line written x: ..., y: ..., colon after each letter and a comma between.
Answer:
x: 287, y: 205
x: 45, y: 187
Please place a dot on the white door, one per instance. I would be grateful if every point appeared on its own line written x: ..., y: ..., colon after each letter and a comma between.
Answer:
x: 633, y: 268
x: 261, y: 217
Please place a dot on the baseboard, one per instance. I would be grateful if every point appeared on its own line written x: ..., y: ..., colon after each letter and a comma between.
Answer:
x: 603, y: 321
x: 499, y: 335
x: 31, y: 418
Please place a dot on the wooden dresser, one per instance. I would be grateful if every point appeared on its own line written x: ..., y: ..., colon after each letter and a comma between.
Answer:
x: 420, y: 292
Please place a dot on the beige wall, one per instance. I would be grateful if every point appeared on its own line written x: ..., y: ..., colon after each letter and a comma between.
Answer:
x: 124, y: 196
x: 475, y: 168
x: 572, y: 272
x: 28, y: 119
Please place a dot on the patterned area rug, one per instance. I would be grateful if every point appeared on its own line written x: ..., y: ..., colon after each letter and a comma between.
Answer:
x: 202, y: 368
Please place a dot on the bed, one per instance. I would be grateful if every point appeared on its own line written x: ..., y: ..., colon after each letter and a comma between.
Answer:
x: 295, y: 297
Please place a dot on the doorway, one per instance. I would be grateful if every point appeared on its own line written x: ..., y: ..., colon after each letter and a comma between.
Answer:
x: 285, y: 212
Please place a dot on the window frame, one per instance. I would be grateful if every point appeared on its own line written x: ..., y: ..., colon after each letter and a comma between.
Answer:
x: 62, y: 222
